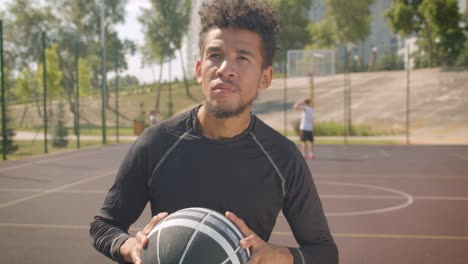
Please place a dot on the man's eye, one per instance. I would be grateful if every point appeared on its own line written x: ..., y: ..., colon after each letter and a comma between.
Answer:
x: 242, y: 58
x: 214, y: 56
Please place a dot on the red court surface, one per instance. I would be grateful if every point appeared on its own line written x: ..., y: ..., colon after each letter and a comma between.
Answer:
x: 385, y: 204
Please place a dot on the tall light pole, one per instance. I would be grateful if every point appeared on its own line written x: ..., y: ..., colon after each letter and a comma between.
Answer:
x: 103, y: 67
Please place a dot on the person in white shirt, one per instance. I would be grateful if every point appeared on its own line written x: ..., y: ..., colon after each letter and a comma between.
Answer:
x: 152, y: 117
x: 306, y: 128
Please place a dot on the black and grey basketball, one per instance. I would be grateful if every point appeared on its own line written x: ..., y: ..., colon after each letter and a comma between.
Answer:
x: 192, y: 236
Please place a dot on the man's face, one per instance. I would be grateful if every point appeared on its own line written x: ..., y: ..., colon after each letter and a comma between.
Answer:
x: 230, y: 71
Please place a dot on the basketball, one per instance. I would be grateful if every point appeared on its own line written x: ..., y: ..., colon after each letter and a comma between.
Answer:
x: 195, y: 235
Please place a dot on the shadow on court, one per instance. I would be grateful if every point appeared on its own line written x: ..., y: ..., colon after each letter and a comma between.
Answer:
x: 385, y: 204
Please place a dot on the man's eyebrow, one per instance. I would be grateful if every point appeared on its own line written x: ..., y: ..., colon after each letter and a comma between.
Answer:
x: 213, y: 49
x: 246, y: 52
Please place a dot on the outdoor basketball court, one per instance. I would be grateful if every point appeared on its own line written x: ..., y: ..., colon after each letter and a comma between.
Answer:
x: 385, y: 204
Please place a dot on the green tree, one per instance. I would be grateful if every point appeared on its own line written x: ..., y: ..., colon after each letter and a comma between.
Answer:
x: 85, y: 75
x: 67, y: 22
x: 389, y: 62
x: 125, y: 82
x: 320, y: 34
x: 10, y: 132
x: 26, y: 90
x: 164, y: 24
x: 80, y: 22
x: 53, y: 75
x: 294, y: 19
x: 435, y: 23
x: 59, y: 131
x: 350, y: 20
x: 24, y: 21
x: 345, y: 22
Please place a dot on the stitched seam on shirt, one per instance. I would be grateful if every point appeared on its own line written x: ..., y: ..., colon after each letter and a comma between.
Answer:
x: 113, y: 242
x: 302, y: 256
x: 171, y: 149
x: 271, y: 161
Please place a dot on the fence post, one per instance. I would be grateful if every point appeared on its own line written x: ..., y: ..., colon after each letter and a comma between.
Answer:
x: 44, y: 84
x: 345, y: 98
x: 77, y: 99
x: 2, y: 73
x: 407, y: 93
x: 117, y: 95
x: 285, y: 97
x: 104, y: 79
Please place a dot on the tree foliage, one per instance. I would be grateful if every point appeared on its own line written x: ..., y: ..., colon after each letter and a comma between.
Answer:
x: 345, y: 22
x: 85, y: 75
x: 321, y: 35
x: 53, y: 74
x: 67, y: 23
x: 293, y: 18
x: 164, y: 25
x: 59, y: 131
x: 435, y: 23
x: 349, y: 20
x: 26, y: 85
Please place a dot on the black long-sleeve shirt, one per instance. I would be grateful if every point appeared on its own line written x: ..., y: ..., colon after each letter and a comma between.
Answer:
x: 255, y: 175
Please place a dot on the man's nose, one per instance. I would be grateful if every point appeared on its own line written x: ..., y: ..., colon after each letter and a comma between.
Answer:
x: 226, y: 69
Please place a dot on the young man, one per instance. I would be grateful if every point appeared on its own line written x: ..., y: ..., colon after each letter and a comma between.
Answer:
x: 219, y: 155
x: 306, y: 128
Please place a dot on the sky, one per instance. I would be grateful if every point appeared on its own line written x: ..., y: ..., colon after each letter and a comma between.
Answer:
x: 131, y: 30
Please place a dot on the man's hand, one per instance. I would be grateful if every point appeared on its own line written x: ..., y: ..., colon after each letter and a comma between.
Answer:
x: 261, y: 252
x: 131, y: 248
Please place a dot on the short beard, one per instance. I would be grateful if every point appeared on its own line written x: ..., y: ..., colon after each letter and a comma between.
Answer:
x: 220, y: 113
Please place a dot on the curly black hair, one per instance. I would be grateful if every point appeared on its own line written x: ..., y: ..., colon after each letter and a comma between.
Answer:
x: 253, y: 15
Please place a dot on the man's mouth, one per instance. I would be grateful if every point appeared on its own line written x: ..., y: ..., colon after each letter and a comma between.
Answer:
x: 224, y: 89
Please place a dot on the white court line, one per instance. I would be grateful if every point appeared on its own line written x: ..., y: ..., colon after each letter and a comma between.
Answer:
x: 385, y: 153
x: 442, y: 198
x: 461, y: 157
x: 394, y: 177
x: 409, y: 199
x: 51, y: 159
x: 394, y: 236
x: 394, y: 197
x: 57, y: 189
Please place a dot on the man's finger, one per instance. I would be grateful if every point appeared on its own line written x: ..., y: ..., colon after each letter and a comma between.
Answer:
x: 153, y: 222
x: 250, y: 241
x: 254, y: 259
x: 141, y: 238
x: 245, y: 230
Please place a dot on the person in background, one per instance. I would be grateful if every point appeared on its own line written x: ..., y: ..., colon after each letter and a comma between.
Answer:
x: 152, y: 117
x: 306, y: 128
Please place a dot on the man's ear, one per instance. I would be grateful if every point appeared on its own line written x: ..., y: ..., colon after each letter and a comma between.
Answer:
x: 265, y: 79
x: 198, y: 71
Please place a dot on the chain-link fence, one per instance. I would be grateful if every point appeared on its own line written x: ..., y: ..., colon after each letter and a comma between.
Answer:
x: 55, y: 97
x: 373, y: 97
x: 64, y: 103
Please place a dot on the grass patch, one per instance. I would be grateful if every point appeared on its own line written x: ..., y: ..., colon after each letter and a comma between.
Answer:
x: 338, y: 129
